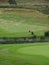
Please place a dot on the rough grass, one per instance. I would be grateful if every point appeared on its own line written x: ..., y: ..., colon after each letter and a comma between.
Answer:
x: 17, y: 22
x: 24, y: 54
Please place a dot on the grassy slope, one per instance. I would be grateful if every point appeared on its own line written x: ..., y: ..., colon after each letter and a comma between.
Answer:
x: 26, y: 4
x: 24, y: 54
x: 26, y: 1
x: 17, y: 22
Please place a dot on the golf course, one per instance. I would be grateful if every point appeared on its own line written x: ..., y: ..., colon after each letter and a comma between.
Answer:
x: 24, y: 54
x: 16, y: 22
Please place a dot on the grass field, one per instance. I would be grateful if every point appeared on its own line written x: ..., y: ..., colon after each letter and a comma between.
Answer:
x: 24, y: 54
x: 17, y: 22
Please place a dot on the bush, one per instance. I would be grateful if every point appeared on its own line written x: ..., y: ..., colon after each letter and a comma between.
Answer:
x: 46, y: 34
x: 42, y: 37
x: 34, y: 36
x: 32, y: 33
x: 29, y: 31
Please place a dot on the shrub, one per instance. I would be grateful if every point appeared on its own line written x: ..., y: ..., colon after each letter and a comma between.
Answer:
x: 32, y: 33
x: 42, y: 37
x: 34, y: 36
x: 46, y: 34
x: 29, y: 31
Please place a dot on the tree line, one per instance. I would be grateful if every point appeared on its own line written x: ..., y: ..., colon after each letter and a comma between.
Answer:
x: 12, y: 2
x: 9, y: 1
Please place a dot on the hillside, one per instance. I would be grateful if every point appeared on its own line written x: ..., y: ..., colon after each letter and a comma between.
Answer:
x: 27, y: 1
x: 17, y: 22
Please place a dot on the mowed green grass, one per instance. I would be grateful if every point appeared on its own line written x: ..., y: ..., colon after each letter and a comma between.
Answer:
x: 24, y: 54
x: 17, y: 22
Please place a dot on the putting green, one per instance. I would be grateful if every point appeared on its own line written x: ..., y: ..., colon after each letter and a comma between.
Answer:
x: 35, y: 50
x: 24, y: 54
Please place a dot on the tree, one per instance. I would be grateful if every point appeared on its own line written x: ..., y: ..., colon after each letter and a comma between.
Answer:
x: 12, y: 2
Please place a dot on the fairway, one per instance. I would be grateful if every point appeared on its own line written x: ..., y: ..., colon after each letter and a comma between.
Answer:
x: 18, y: 22
x: 24, y: 32
x: 24, y: 54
